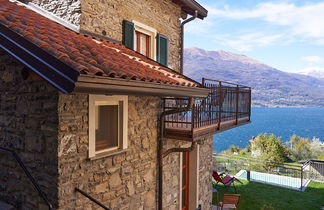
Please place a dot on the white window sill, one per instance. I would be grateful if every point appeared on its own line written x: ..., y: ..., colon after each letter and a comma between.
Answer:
x: 108, y: 154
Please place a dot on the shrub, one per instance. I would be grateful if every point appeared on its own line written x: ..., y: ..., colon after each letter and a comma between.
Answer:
x: 304, y: 148
x: 243, y: 152
x: 233, y: 149
x: 320, y: 157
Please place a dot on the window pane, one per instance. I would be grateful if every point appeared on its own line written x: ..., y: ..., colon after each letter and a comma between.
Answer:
x: 106, y: 126
x: 143, y: 43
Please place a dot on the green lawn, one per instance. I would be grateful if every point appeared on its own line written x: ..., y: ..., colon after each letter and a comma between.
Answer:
x: 261, y: 196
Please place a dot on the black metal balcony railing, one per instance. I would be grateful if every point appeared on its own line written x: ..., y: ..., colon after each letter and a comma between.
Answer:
x: 227, y: 102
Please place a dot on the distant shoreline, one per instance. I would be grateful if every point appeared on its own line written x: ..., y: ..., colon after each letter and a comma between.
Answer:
x: 282, y: 121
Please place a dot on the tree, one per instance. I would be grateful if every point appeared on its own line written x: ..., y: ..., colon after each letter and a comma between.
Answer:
x: 304, y: 148
x: 293, y: 140
x: 270, y: 147
x: 317, y: 148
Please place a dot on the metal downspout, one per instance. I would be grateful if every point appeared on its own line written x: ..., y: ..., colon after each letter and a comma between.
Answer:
x: 162, y: 153
x: 182, y: 38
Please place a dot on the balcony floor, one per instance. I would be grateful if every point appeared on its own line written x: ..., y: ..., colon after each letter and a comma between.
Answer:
x: 201, y: 132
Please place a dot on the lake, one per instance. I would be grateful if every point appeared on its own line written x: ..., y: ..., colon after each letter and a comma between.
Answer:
x: 283, y: 122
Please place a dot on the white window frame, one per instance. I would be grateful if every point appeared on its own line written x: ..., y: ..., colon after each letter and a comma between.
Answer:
x: 107, y: 100
x: 152, y: 32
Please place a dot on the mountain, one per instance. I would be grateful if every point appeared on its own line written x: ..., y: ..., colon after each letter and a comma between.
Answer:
x: 270, y: 86
x: 313, y: 72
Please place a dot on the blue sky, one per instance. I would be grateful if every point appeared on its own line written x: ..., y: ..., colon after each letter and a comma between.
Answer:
x: 285, y: 34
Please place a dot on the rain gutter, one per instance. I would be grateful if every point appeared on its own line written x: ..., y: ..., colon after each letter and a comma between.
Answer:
x: 182, y: 38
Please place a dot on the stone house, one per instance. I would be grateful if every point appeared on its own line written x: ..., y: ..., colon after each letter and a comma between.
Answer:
x: 94, y: 105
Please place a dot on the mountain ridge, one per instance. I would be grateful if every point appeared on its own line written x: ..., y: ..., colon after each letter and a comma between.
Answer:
x: 271, y: 87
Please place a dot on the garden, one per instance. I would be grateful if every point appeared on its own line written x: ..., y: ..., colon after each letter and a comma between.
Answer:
x: 259, y: 196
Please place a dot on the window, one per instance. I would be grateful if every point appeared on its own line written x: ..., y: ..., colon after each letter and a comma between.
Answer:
x: 108, y: 117
x: 145, y: 40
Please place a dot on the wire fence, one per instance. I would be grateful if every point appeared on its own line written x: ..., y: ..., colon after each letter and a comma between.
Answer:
x: 285, y: 175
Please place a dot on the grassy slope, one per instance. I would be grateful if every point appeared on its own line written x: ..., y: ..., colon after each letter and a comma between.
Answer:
x: 257, y: 196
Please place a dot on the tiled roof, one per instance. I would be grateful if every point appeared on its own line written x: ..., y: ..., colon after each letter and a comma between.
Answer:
x: 85, y: 54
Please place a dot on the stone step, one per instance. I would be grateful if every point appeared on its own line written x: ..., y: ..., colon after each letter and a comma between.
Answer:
x: 5, y: 206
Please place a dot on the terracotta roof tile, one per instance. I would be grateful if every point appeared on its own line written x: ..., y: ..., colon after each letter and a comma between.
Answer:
x: 86, y: 54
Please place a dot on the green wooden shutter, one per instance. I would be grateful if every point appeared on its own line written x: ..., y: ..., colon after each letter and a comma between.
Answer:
x: 162, y: 49
x: 128, y: 34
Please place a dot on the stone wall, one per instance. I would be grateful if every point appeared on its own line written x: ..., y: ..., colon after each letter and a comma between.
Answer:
x: 171, y: 175
x: 68, y: 10
x: 105, y: 17
x: 205, y: 173
x: 122, y: 181
x: 49, y: 131
x: 28, y: 125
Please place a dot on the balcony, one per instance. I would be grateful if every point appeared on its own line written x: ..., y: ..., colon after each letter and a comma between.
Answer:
x: 227, y: 106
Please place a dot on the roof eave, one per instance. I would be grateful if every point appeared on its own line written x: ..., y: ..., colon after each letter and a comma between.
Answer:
x: 190, y: 6
x: 38, y: 60
x: 109, y: 86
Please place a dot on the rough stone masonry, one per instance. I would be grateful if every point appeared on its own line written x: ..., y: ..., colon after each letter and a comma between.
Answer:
x: 49, y: 130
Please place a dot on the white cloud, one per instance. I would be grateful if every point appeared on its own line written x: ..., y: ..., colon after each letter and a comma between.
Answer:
x: 262, y: 39
x: 313, y: 59
x: 302, y: 20
x: 238, y: 45
x: 247, y: 42
x: 314, y: 71
x: 275, y: 23
x: 199, y: 26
